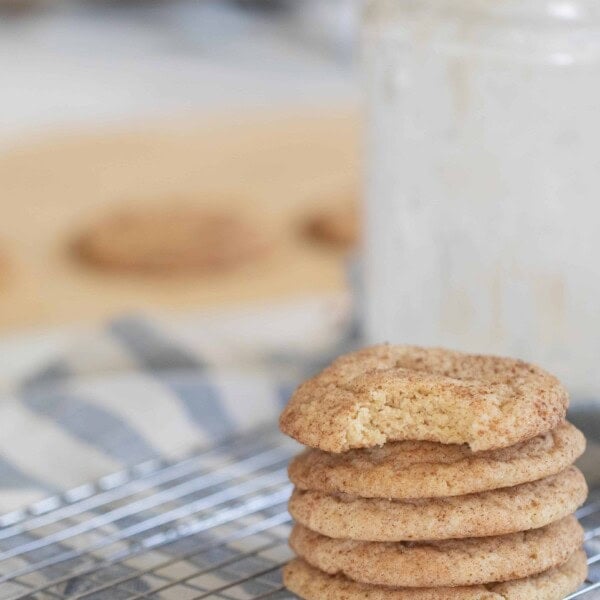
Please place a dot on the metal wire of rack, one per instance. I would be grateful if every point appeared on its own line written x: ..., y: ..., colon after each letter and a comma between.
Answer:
x: 214, y: 525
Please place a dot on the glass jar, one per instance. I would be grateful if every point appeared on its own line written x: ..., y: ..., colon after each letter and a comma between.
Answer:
x: 483, y: 179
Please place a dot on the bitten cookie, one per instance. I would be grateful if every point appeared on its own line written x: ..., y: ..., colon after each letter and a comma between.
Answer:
x: 390, y: 393
x: 496, y: 512
x: 471, y: 561
x: 311, y: 584
x: 428, y: 469
x: 171, y: 239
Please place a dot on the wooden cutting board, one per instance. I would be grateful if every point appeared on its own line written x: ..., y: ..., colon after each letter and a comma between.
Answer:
x: 275, y: 168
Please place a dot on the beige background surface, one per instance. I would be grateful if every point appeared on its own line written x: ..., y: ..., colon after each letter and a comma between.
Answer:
x: 273, y: 168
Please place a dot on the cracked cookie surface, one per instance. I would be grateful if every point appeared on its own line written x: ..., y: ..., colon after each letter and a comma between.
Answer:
x: 470, y: 561
x: 311, y: 584
x: 495, y: 512
x: 429, y: 469
x: 391, y: 393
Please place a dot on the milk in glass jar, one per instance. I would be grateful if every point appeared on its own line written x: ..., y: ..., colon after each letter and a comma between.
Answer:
x: 483, y: 179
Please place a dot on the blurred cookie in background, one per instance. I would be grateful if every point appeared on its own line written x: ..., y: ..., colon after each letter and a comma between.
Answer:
x: 244, y: 167
x: 171, y: 240
x: 19, y: 8
x: 5, y: 266
x: 337, y: 225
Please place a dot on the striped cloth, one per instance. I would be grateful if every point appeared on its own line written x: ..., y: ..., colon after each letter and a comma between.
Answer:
x: 146, y: 387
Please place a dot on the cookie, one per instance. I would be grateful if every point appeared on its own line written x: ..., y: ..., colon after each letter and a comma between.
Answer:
x: 4, y: 267
x: 171, y: 239
x: 391, y: 393
x: 496, y: 512
x: 428, y: 469
x: 470, y: 561
x: 311, y: 584
x: 338, y: 226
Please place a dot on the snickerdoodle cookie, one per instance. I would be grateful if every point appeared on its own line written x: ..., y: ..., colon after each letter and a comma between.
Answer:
x: 495, y: 512
x: 469, y: 561
x: 429, y: 469
x: 390, y: 393
x: 311, y: 584
x: 172, y: 239
x: 337, y: 226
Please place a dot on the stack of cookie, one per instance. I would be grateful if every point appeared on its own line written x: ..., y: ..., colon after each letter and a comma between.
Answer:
x: 434, y: 475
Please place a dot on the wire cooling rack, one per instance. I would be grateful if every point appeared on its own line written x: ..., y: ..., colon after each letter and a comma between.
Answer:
x: 213, y: 525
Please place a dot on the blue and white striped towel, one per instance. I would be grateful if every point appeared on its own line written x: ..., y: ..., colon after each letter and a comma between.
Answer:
x: 143, y: 387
